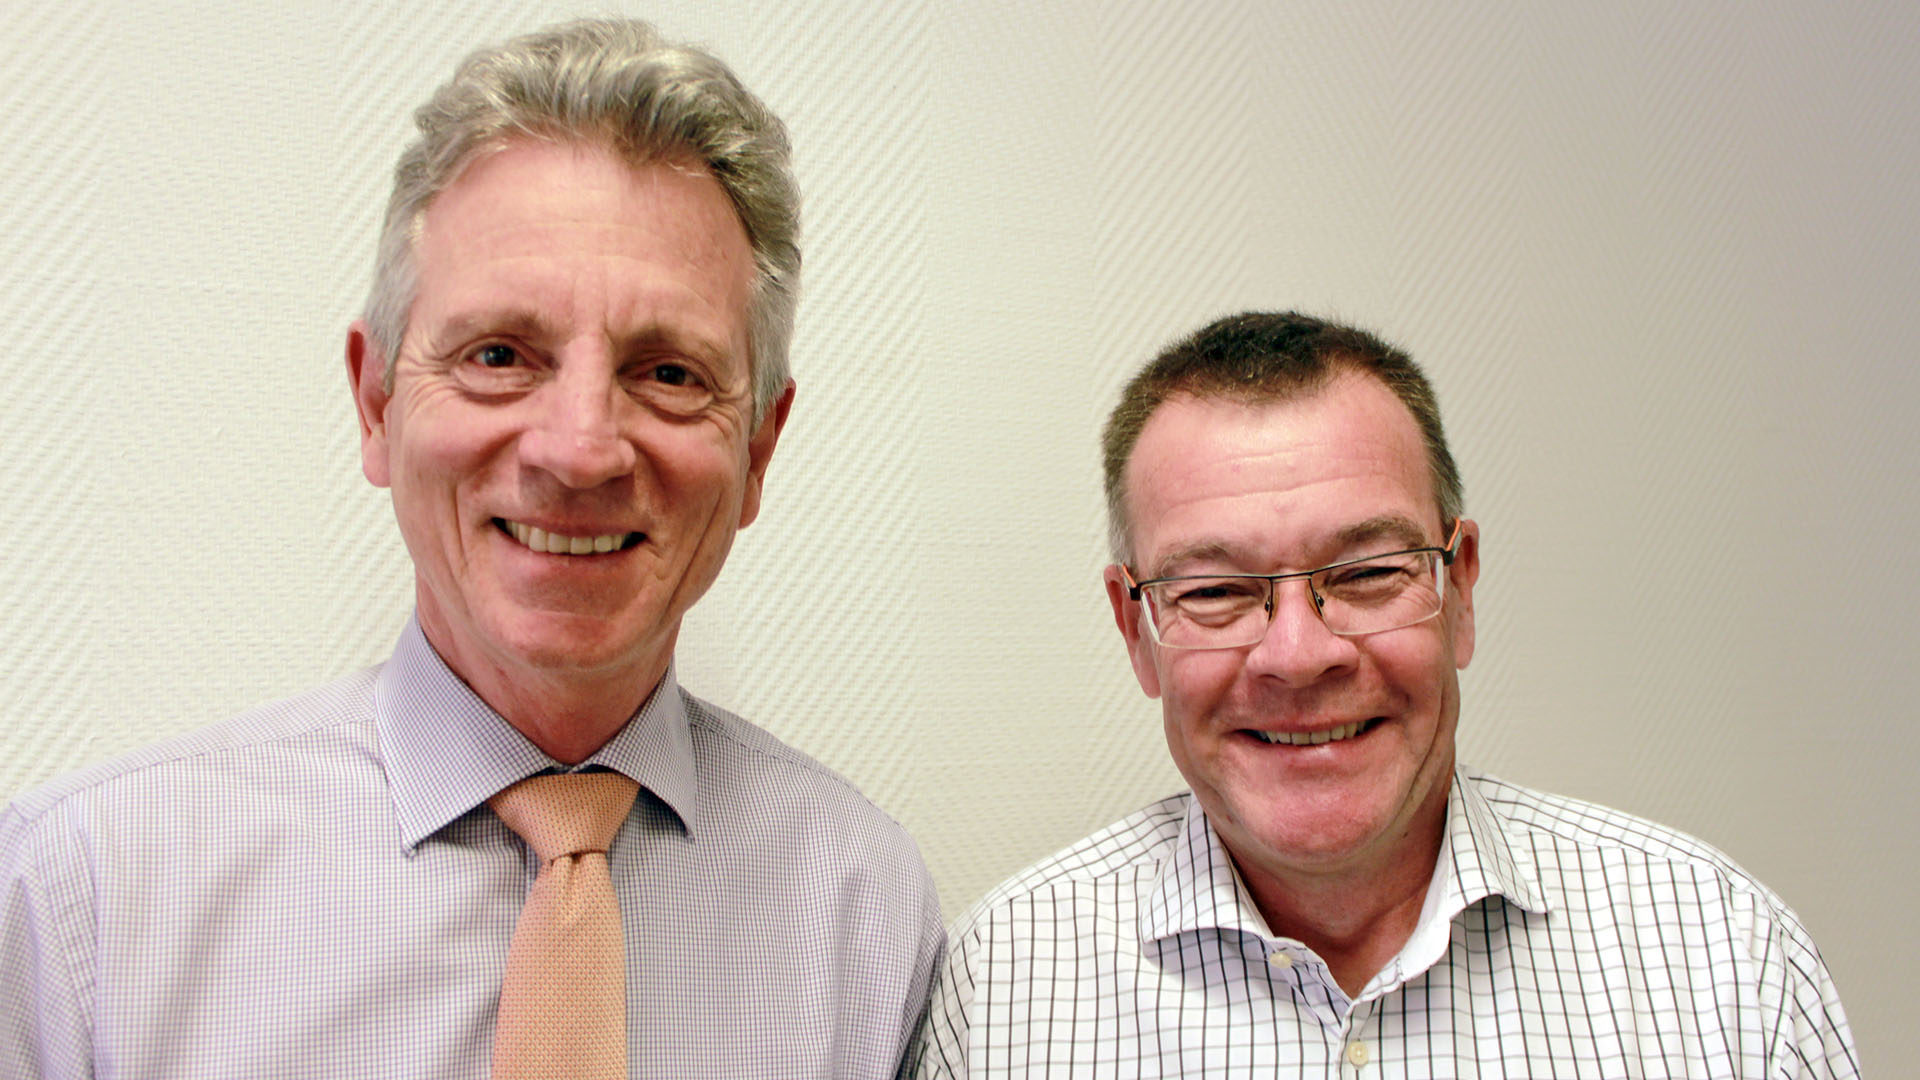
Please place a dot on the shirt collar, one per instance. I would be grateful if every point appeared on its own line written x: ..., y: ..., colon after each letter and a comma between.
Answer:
x: 445, y: 751
x: 1197, y: 888
x: 1480, y: 856
x: 1477, y: 859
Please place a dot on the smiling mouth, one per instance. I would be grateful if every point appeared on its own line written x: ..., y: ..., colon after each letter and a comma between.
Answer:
x: 1315, y: 738
x: 541, y: 540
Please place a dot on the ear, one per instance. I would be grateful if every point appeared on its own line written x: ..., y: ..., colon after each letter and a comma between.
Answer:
x: 1126, y: 616
x: 366, y: 375
x: 760, y: 452
x: 1461, y: 577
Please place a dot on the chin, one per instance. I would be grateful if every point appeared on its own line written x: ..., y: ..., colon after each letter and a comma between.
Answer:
x: 1309, y: 842
x: 561, y: 642
x: 1307, y: 833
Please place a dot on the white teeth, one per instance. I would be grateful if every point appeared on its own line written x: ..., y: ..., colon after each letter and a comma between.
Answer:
x: 539, y: 539
x: 1313, y: 738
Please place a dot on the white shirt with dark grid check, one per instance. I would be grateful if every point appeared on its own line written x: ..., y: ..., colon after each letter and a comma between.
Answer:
x: 318, y: 889
x: 1558, y: 939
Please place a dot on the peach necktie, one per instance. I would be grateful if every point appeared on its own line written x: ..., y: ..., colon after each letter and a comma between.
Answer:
x: 563, y: 1003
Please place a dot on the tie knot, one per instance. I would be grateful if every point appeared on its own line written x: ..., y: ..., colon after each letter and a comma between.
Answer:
x: 566, y: 814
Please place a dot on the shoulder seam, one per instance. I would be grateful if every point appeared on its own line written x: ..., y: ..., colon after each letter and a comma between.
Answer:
x: 1048, y: 874
x: 712, y: 718
x: 124, y: 766
x: 1636, y: 834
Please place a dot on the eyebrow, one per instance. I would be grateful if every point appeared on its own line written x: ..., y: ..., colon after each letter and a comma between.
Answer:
x: 1203, y: 551
x: 453, y: 332
x: 1401, y: 530
x: 531, y: 324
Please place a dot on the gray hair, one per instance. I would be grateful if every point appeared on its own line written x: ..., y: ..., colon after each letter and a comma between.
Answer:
x: 1259, y: 357
x: 617, y: 83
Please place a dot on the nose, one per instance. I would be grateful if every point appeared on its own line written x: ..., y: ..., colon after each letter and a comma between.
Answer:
x: 1298, y: 649
x: 575, y: 435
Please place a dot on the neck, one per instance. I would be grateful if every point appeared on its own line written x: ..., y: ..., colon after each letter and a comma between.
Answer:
x: 1356, y: 919
x: 567, y: 721
x: 569, y: 715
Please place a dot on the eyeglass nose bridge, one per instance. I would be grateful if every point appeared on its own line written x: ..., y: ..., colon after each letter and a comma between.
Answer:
x: 1313, y: 594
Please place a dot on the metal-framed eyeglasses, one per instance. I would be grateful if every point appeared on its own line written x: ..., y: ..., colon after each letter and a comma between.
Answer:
x: 1358, y: 596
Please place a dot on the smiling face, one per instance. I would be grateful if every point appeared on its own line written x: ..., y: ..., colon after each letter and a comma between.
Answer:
x: 1311, y: 753
x: 569, y: 438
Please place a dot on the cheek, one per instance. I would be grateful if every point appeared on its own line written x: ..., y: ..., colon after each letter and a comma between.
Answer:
x: 1419, y: 670
x: 1195, y: 683
x: 429, y: 481
x: 700, y: 474
x: 438, y: 479
x: 430, y: 447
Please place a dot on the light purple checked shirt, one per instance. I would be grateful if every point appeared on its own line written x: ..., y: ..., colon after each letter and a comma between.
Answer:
x: 317, y: 889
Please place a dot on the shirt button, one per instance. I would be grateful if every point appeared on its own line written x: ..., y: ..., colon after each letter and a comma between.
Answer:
x: 1357, y: 1053
x: 1280, y: 960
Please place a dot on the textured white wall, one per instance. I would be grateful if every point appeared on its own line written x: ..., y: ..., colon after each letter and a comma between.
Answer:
x: 1660, y: 260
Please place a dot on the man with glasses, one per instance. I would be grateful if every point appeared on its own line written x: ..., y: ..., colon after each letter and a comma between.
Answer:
x: 1293, y: 579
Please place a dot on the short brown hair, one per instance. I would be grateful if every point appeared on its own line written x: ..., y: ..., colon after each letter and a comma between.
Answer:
x: 1261, y: 356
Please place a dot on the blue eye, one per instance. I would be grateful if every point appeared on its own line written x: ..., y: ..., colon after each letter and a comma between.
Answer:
x: 673, y: 375
x: 496, y: 368
x: 675, y: 387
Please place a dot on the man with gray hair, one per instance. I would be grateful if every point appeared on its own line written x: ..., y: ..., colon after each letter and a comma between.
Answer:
x: 517, y: 848
x: 1293, y: 578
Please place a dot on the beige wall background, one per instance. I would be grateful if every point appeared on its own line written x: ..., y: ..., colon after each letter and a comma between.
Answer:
x: 1659, y: 259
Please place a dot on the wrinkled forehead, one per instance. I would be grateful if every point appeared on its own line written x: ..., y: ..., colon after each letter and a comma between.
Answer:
x: 1294, y: 478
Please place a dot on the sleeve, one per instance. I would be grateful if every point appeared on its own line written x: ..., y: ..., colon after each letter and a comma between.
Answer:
x: 45, y: 1030
x: 1810, y: 1039
x: 942, y: 1054
x: 933, y: 942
